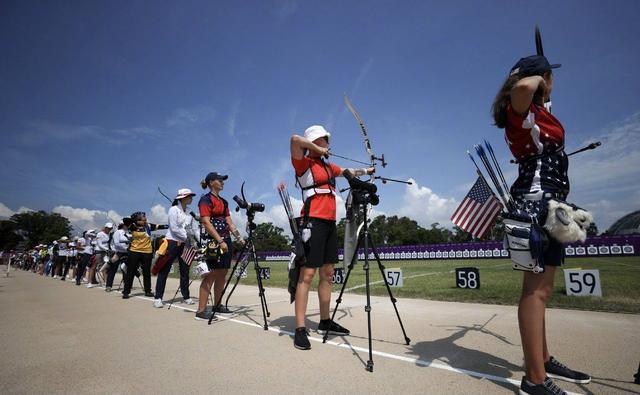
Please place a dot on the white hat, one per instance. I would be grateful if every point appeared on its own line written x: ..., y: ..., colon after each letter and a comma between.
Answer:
x: 183, y: 193
x: 314, y: 132
x: 64, y: 238
x: 108, y: 225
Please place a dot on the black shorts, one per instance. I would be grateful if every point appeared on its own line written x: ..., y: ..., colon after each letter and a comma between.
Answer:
x: 322, y: 247
x: 223, y: 261
x: 554, y: 255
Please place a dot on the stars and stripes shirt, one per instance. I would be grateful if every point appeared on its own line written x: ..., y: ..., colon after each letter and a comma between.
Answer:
x: 536, y: 140
x: 478, y: 210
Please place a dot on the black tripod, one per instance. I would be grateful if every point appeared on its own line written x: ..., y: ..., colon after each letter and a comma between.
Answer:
x: 365, y: 241
x: 248, y: 252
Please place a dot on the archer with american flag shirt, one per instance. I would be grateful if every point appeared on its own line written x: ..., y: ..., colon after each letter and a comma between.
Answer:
x: 216, y: 220
x: 316, y: 178
x: 536, y: 140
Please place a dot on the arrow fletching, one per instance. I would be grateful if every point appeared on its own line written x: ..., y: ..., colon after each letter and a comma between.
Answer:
x: 539, y: 49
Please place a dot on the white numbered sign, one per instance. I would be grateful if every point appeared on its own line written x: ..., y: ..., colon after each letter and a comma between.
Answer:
x: 393, y: 277
x: 582, y: 282
x: 468, y: 277
x: 241, y: 274
x: 338, y: 275
x: 265, y: 273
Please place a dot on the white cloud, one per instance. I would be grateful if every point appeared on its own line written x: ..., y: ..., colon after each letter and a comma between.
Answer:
x: 158, y: 215
x: 285, y: 9
x: 615, y: 163
x: 605, y: 180
x: 235, y: 110
x: 185, y: 117
x: 43, y: 131
x: 426, y: 207
x: 83, y: 219
x: 5, y: 211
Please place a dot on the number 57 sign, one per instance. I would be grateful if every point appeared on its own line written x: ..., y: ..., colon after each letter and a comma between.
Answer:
x: 582, y: 282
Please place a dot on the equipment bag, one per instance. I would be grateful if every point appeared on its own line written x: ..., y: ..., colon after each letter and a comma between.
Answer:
x: 201, y: 269
x: 526, y: 242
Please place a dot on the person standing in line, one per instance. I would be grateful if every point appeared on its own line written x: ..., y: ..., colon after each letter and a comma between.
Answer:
x: 50, y: 269
x: 72, y: 255
x: 317, y: 180
x: 140, y: 253
x: 180, y: 226
x: 536, y: 139
x: 61, y: 260
x: 86, y: 251
x: 101, y: 250
x: 120, y: 248
x: 217, y: 222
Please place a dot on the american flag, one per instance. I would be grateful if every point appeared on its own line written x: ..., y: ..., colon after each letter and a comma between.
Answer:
x: 188, y: 254
x: 478, y: 210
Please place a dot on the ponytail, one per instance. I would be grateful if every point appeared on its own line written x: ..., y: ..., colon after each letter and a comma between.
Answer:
x: 203, y: 184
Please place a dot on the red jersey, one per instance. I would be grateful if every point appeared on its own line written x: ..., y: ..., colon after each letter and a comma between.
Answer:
x: 213, y: 206
x: 323, y: 205
x: 534, y: 133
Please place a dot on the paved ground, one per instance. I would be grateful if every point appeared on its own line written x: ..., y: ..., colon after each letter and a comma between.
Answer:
x: 59, y: 338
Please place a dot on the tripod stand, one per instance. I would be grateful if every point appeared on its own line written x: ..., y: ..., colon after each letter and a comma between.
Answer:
x: 365, y: 241
x: 248, y: 252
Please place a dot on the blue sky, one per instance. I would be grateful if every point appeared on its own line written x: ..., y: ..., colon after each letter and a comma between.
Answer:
x: 104, y: 101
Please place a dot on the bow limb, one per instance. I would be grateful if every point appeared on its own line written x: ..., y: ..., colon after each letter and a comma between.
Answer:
x: 166, y: 197
x: 367, y: 143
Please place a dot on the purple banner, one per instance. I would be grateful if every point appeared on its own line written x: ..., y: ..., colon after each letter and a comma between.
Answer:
x: 628, y: 245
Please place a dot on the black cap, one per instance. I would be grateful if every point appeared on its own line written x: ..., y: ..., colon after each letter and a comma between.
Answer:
x: 532, y: 65
x: 215, y: 176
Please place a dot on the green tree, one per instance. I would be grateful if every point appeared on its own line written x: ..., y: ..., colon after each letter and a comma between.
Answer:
x: 460, y: 235
x: 592, y: 230
x: 40, y: 227
x: 9, y: 239
x: 267, y: 237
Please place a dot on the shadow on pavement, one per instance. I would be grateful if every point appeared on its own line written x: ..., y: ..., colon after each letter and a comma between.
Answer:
x: 446, y: 350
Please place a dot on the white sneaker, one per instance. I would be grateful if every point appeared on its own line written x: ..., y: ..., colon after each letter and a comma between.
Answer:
x: 158, y: 303
x: 55, y: 277
x: 91, y: 285
x: 189, y: 301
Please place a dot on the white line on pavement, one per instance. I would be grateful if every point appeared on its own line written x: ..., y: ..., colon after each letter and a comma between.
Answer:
x: 426, y: 363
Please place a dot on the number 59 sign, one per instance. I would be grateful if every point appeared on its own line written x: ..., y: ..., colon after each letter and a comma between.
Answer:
x: 582, y: 282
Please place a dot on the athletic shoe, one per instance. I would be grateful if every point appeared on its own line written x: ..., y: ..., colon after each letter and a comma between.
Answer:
x: 189, y: 301
x: 158, y: 303
x: 54, y: 277
x: 222, y: 309
x: 78, y: 283
x: 108, y: 289
x: 332, y: 327
x: 204, y: 316
x: 125, y: 296
x: 300, y: 340
x: 558, y: 370
x: 90, y: 285
x: 149, y: 294
x: 548, y: 387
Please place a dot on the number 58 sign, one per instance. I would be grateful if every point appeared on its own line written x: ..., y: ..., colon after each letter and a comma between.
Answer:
x: 582, y: 282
